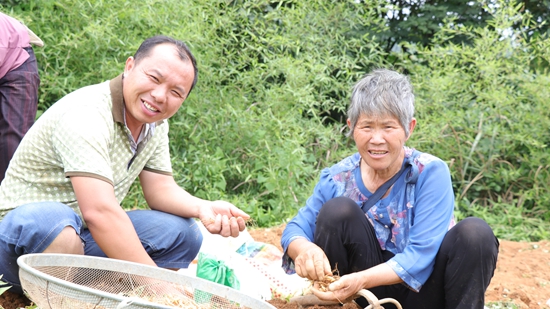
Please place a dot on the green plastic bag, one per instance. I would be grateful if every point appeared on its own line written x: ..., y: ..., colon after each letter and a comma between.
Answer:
x: 215, y: 270
x: 210, y: 268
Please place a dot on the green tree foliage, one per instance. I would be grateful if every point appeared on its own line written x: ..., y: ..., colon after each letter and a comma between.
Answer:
x: 273, y: 75
x: 418, y: 21
x: 277, y: 72
x: 540, y: 12
x: 496, y: 121
x: 268, y: 111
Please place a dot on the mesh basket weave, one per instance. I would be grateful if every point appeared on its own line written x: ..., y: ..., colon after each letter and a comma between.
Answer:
x: 75, y: 281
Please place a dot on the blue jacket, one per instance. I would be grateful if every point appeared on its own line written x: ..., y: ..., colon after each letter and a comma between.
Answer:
x: 410, y: 222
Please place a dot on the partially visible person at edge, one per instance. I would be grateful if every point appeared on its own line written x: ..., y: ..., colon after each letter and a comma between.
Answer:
x: 64, y: 185
x: 19, y: 82
x: 406, y: 246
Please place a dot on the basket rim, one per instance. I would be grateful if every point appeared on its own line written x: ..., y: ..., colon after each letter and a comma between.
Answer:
x: 133, y: 268
x: 24, y: 266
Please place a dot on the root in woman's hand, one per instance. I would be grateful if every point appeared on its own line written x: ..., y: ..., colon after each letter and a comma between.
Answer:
x: 323, y: 283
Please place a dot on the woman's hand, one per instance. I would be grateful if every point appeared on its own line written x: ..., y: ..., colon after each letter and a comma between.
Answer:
x: 310, y: 262
x: 346, y: 287
x: 224, y: 218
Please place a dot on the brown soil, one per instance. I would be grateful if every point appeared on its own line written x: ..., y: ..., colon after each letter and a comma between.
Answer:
x: 522, y: 276
x: 13, y: 301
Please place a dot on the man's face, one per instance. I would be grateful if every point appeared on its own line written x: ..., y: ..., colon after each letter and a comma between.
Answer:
x: 155, y: 87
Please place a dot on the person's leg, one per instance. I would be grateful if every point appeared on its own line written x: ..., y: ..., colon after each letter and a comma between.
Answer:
x: 18, y: 105
x: 346, y: 236
x: 33, y: 228
x: 171, y: 241
x: 463, y: 269
x: 349, y: 241
x: 67, y: 241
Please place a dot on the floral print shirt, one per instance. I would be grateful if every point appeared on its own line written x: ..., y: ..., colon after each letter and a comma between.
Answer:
x: 410, y: 222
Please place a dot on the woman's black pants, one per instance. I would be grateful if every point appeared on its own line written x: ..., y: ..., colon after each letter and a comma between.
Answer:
x: 463, y: 267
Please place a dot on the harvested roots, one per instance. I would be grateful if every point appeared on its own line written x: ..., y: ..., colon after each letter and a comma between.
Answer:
x: 325, y: 282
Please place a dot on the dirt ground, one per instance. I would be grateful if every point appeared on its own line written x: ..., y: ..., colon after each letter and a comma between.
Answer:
x: 522, y: 276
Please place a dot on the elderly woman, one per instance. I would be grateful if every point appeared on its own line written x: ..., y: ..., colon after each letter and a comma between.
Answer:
x: 383, y: 217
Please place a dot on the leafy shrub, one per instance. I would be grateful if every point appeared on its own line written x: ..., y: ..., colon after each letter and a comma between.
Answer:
x: 275, y: 76
x: 273, y: 84
x: 495, y: 126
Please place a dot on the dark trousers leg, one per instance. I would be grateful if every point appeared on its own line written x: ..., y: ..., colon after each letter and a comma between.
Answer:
x: 349, y: 240
x: 18, y: 104
x: 463, y: 269
x: 347, y: 237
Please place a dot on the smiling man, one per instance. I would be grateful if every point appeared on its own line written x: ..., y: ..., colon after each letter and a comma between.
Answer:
x: 64, y: 185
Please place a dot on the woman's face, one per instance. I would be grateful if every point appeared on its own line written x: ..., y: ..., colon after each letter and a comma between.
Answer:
x: 380, y: 141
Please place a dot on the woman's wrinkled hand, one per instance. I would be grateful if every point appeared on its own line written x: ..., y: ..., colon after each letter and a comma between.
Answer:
x: 311, y: 262
x: 341, y: 290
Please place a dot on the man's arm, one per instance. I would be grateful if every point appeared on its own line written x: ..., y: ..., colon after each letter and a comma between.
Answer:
x: 163, y: 193
x: 108, y: 223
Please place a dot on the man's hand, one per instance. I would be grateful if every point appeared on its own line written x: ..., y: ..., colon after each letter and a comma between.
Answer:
x: 224, y: 218
x: 310, y: 261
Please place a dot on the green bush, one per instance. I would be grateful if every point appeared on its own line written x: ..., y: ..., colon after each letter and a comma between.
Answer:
x: 272, y: 76
x: 494, y: 130
x: 275, y: 76
x: 259, y: 125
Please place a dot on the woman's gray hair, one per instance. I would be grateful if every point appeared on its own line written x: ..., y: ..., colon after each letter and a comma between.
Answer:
x: 380, y: 93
